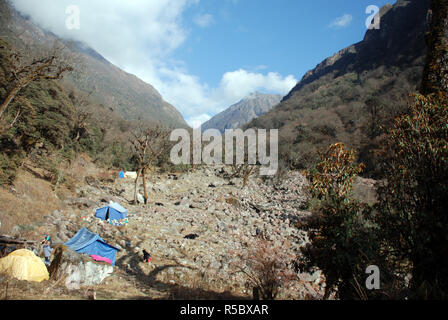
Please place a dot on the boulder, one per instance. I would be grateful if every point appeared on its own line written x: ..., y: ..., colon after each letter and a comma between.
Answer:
x: 77, y: 270
x: 109, y: 199
x: 184, y: 202
x: 81, y: 203
x: 63, y: 237
x: 15, y: 231
x: 140, y: 199
x: 234, y: 202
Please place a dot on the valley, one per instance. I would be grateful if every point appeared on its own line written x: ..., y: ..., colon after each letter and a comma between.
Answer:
x: 358, y: 152
x: 205, y: 202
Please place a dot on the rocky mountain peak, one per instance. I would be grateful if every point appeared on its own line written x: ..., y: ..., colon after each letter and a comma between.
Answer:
x: 249, y: 108
x: 254, y: 95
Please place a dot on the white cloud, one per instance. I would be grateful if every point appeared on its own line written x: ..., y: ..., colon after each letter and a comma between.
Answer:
x: 122, y: 31
x: 238, y: 84
x: 196, y: 121
x: 139, y: 36
x: 343, y: 21
x: 204, y: 20
x: 195, y: 99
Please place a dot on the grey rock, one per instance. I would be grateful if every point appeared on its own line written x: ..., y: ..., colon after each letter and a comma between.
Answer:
x: 80, y: 270
x: 183, y: 203
x: 62, y: 237
x: 15, y: 231
x: 140, y: 199
x: 243, y: 112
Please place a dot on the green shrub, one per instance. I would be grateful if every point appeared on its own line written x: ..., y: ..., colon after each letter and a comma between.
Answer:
x: 412, y: 211
x: 342, y: 245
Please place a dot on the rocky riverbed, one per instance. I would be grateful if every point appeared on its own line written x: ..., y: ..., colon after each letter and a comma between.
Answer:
x: 205, y: 202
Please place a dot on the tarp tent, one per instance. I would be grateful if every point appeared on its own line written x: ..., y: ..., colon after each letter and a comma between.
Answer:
x: 92, y: 244
x: 112, y: 211
x: 23, y: 264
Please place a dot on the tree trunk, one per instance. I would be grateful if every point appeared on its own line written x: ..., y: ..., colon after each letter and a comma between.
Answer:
x: 246, y: 177
x: 144, y: 185
x: 256, y: 293
x: 435, y: 74
x: 10, y: 97
x: 135, y: 187
x: 247, y: 172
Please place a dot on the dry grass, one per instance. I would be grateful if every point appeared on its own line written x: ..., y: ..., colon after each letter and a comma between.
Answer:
x: 30, y: 199
x: 13, y: 289
x: 80, y: 168
x: 33, y: 197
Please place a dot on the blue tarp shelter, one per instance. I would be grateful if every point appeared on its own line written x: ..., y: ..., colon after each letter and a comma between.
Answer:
x: 91, y: 243
x: 112, y: 211
x: 121, y: 175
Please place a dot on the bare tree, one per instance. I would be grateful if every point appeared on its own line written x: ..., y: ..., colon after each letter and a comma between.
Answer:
x: 243, y: 170
x: 27, y: 67
x: 266, y: 266
x: 148, y: 145
x: 82, y: 115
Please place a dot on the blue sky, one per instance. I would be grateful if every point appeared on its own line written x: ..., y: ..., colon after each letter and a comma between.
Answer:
x: 284, y: 36
x: 205, y: 55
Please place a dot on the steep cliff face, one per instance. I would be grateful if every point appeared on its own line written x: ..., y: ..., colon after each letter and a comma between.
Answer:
x: 243, y: 112
x: 351, y: 95
x: 399, y: 41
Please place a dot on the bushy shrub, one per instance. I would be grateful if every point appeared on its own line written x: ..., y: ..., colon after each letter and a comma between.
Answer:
x: 342, y: 244
x: 8, y: 167
x: 412, y: 211
x: 405, y: 232
x: 266, y: 266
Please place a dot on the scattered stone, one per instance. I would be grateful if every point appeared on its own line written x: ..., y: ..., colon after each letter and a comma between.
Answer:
x: 191, y: 204
x: 234, y: 202
x: 140, y: 199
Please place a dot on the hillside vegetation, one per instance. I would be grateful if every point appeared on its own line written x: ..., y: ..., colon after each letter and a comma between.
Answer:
x: 219, y: 232
x: 128, y: 96
x: 354, y: 95
x: 47, y: 124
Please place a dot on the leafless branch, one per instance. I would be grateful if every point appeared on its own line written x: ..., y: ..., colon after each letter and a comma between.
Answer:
x: 148, y: 145
x: 29, y: 66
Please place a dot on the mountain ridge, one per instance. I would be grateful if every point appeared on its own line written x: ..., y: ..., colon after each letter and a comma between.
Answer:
x: 349, y: 96
x: 337, y: 60
x: 125, y: 93
x: 247, y: 109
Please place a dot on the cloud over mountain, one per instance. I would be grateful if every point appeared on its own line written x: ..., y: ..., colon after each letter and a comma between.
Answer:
x: 140, y: 36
